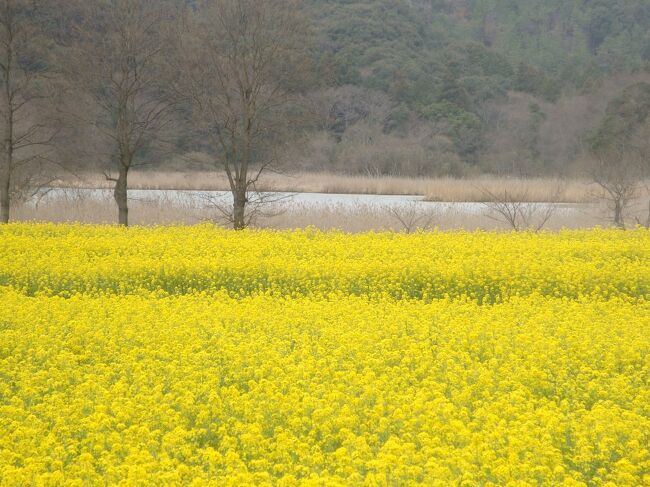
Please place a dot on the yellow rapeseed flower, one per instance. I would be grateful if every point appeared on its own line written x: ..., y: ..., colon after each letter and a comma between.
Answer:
x: 199, y: 356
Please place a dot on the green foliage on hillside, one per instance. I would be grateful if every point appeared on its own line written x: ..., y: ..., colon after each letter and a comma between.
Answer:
x: 569, y: 42
x: 443, y: 60
x: 627, y: 116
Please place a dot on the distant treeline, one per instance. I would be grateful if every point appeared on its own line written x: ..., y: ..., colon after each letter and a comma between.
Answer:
x: 450, y: 67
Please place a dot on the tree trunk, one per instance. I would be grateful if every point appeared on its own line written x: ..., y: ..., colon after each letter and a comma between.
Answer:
x: 5, y: 172
x: 7, y: 136
x: 618, y: 214
x: 8, y: 155
x: 5, y: 202
x: 120, y: 194
x: 239, y: 209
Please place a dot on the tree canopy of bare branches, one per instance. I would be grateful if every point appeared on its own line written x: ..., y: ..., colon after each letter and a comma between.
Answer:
x: 621, y: 153
x: 116, y: 62
x: 239, y: 60
x: 616, y: 173
x: 24, y: 88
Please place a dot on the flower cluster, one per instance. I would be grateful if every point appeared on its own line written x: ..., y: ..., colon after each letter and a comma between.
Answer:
x: 483, y: 266
x: 192, y: 356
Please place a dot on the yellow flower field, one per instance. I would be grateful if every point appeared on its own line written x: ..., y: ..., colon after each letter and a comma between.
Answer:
x: 199, y: 356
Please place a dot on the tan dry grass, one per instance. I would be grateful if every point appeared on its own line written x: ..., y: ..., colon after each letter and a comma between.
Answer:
x: 539, y: 190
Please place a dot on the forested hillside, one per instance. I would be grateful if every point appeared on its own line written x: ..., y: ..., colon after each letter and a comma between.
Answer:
x: 451, y: 76
x: 401, y: 87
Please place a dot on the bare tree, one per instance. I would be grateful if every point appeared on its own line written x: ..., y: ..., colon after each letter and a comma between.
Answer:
x: 412, y: 216
x: 515, y: 209
x: 23, y: 91
x: 621, y: 153
x: 117, y: 63
x: 242, y: 61
x: 616, y: 172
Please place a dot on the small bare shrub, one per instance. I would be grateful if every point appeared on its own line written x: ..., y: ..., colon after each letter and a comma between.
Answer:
x: 412, y: 216
x: 515, y: 209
